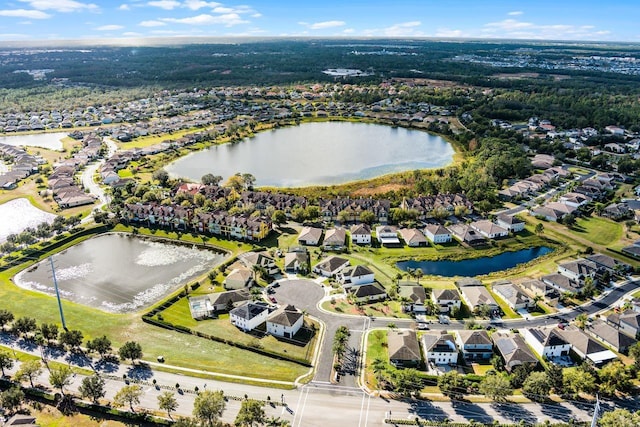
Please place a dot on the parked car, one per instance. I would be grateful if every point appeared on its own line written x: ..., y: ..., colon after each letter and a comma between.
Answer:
x: 422, y: 326
x: 272, y: 299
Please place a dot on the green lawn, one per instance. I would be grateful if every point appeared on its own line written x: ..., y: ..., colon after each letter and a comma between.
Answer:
x: 376, y: 349
x: 600, y: 231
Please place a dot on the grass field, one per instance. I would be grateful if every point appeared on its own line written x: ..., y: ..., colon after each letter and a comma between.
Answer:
x: 376, y: 349
x: 600, y: 231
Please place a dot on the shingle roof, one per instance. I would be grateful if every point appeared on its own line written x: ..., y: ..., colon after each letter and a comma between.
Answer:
x: 287, y: 316
x: 403, y: 345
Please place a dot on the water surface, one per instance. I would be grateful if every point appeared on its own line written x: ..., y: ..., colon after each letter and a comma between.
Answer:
x: 318, y: 154
x: 50, y: 141
x: 18, y: 214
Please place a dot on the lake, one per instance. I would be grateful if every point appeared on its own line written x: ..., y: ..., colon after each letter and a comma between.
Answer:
x: 120, y: 273
x: 319, y: 153
x: 476, y: 266
x: 18, y: 214
x: 50, y: 141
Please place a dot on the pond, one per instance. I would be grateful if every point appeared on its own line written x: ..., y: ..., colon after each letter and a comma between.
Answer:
x: 50, y: 141
x: 120, y: 273
x: 476, y: 266
x: 18, y: 214
x: 319, y: 153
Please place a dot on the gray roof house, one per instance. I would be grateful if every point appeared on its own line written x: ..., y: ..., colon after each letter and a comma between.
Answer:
x: 310, y: 236
x: 585, y: 346
x: 627, y: 321
x: 440, y: 349
x: 513, y: 350
x: 334, y: 239
x: 446, y: 299
x: 416, y: 295
x: 369, y: 292
x: 610, y: 335
x: 221, y: 301
x: 512, y: 295
x: 404, y: 350
x: 331, y: 266
x: 413, y: 237
x: 477, y: 296
x: 474, y: 344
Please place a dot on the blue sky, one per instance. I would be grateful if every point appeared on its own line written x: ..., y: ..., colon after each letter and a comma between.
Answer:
x: 613, y: 20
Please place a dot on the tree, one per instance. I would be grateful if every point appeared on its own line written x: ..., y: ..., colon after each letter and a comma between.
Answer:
x: 417, y: 273
x: 100, y: 345
x: 407, y: 381
x: 620, y: 418
x: 279, y: 217
x: 634, y: 353
x: 211, y: 179
x: 452, y: 385
x: 24, y: 325
x: 6, y: 362
x: 576, y: 381
x: 235, y: 182
x: 71, y: 338
x: 208, y: 407
x: 60, y: 377
x: 367, y: 217
x: 539, y: 228
x: 29, y: 370
x: 497, y: 362
x: 496, y: 387
x: 536, y: 387
x: 12, y: 399
x: 555, y: 375
x: 167, y: 402
x: 92, y: 387
x: 49, y: 331
x: 520, y: 373
x: 130, y: 350
x: 162, y: 176
x: 6, y: 317
x: 248, y: 180
x: 581, y: 320
x: 613, y: 378
x: 128, y: 394
x: 251, y: 411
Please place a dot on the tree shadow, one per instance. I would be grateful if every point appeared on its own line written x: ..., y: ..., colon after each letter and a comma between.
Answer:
x: 556, y: 412
x: 78, y: 359
x: 139, y: 372
x: 471, y: 411
x: 426, y: 410
x: 26, y: 344
x: 514, y: 412
x: 107, y: 364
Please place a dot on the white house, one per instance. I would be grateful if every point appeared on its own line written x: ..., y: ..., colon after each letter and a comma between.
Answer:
x: 511, y: 223
x: 413, y: 237
x: 310, y: 236
x: 437, y: 233
x: 331, y: 266
x: 546, y: 342
x: 387, y: 235
x: 489, y: 230
x: 285, y: 322
x: 334, y: 239
x: 368, y: 292
x: 440, y: 349
x: 249, y: 316
x: 446, y: 299
x: 513, y: 296
x: 356, y: 275
x: 578, y: 270
x: 360, y: 234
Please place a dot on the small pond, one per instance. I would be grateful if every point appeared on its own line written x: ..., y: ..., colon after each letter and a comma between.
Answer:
x: 319, y: 153
x: 476, y: 266
x: 120, y: 273
x: 18, y: 214
x: 50, y: 141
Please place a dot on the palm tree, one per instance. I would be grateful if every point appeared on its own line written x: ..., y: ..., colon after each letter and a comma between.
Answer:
x: 417, y: 273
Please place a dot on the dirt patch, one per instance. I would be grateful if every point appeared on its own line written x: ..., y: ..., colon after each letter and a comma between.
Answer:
x: 380, y: 189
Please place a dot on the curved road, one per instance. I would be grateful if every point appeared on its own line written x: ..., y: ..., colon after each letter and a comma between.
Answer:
x: 93, y: 187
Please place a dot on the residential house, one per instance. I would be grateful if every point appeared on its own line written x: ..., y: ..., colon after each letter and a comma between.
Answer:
x: 612, y: 265
x: 585, y: 347
x: 440, y: 349
x: 226, y: 301
x: 285, y: 322
x: 259, y: 260
x: 513, y: 349
x: 238, y: 278
x: 200, y: 307
x: 356, y: 275
x: 465, y: 234
x: 510, y: 222
x: 477, y: 298
x: 617, y: 211
x: 22, y: 421
x: 546, y: 342
x: 330, y: 208
x: 474, y: 344
x: 513, y: 296
x: 360, y: 234
x: 627, y: 321
x: 249, y: 316
x: 413, y: 298
x: 413, y: 237
x: 562, y: 283
x: 610, y: 335
x: 404, y: 350
x: 387, y: 235
x: 334, y: 239
x: 575, y: 200
x: 369, y: 292
x: 446, y: 299
x: 549, y: 294
x: 310, y: 236
x: 578, y: 270
x: 489, y: 230
x: 427, y: 205
x: 437, y: 233
x: 296, y: 262
x: 331, y: 266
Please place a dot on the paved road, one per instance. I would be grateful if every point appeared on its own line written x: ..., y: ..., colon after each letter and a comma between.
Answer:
x: 93, y: 187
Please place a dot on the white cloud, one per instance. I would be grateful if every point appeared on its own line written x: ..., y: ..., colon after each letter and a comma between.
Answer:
x: 165, y: 4
x: 256, y: 15
x: 447, y: 32
x: 514, y: 29
x: 348, y: 31
x: 240, y: 10
x: 112, y: 27
x: 124, y: 7
x: 515, y: 13
x: 131, y: 34
x: 404, y: 29
x: 152, y: 24
x: 60, y: 5
x: 24, y: 13
x: 13, y: 36
x: 228, y: 20
x: 199, y: 4
x: 324, y: 24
